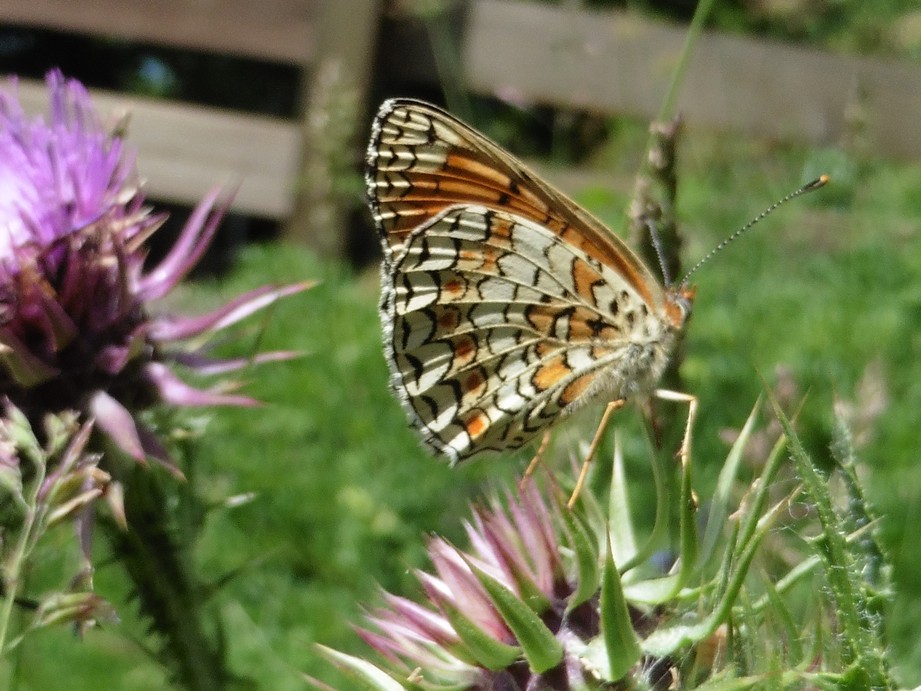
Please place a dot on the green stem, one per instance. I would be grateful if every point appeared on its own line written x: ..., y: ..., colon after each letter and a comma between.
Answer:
x: 666, y: 112
x: 154, y: 552
x: 862, y: 651
x: 13, y: 570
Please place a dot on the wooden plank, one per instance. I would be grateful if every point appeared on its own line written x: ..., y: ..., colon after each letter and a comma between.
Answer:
x: 183, y: 151
x: 275, y: 30
x: 616, y: 62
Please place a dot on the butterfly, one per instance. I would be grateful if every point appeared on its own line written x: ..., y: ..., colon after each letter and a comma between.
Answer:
x: 505, y: 306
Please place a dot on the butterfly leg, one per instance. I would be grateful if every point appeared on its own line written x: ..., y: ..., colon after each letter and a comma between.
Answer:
x: 684, y: 453
x: 593, y: 447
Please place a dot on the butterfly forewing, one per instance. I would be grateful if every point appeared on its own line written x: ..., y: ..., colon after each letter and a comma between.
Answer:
x: 421, y: 161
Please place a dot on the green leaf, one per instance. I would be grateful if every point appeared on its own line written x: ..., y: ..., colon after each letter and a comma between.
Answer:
x: 867, y: 550
x: 530, y: 592
x: 541, y: 648
x: 19, y: 430
x: 719, y: 505
x: 653, y: 591
x: 11, y: 483
x: 659, y: 590
x: 75, y: 608
x: 667, y: 640
x: 736, y: 684
x: 26, y: 369
x: 584, y: 547
x: 60, y: 429
x: 70, y: 507
x: 483, y: 648
x: 370, y: 677
x: 620, y: 522
x: 623, y: 650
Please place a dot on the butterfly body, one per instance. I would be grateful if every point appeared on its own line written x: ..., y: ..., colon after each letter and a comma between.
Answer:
x: 505, y: 306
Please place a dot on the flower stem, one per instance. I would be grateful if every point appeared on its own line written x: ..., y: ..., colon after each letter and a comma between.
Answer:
x: 154, y: 553
x: 12, y: 570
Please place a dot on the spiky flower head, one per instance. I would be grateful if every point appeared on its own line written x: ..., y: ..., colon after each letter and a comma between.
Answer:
x: 546, y: 598
x: 76, y: 326
x: 519, y: 610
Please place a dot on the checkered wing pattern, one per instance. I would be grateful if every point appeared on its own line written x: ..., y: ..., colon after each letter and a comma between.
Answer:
x: 504, y: 305
x: 421, y: 160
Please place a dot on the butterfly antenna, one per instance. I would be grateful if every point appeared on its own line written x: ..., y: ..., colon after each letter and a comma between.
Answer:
x: 657, y: 246
x: 821, y: 181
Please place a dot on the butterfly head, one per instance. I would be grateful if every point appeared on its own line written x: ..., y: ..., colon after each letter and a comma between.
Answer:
x: 678, y: 303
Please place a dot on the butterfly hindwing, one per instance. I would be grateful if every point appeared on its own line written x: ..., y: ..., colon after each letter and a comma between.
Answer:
x: 497, y: 327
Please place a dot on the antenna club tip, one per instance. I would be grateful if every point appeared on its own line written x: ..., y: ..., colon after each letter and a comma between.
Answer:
x: 820, y: 181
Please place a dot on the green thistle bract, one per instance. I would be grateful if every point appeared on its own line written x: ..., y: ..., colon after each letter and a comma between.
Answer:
x: 545, y: 598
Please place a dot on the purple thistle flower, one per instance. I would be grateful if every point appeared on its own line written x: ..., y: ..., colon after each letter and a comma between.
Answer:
x: 535, y: 602
x: 550, y: 598
x: 75, y: 327
x: 463, y: 638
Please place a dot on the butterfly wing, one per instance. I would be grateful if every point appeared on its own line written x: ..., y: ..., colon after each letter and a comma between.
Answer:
x: 422, y: 160
x: 495, y: 326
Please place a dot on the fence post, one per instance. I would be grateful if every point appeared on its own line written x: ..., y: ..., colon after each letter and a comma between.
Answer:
x: 326, y: 185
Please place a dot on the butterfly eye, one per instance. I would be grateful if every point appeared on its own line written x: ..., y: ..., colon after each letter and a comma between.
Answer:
x: 686, y: 300
x: 679, y: 305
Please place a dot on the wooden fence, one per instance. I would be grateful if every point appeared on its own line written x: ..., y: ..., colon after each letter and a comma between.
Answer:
x: 607, y: 62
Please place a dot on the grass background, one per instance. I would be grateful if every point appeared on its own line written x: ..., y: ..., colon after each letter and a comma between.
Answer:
x: 342, y: 496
